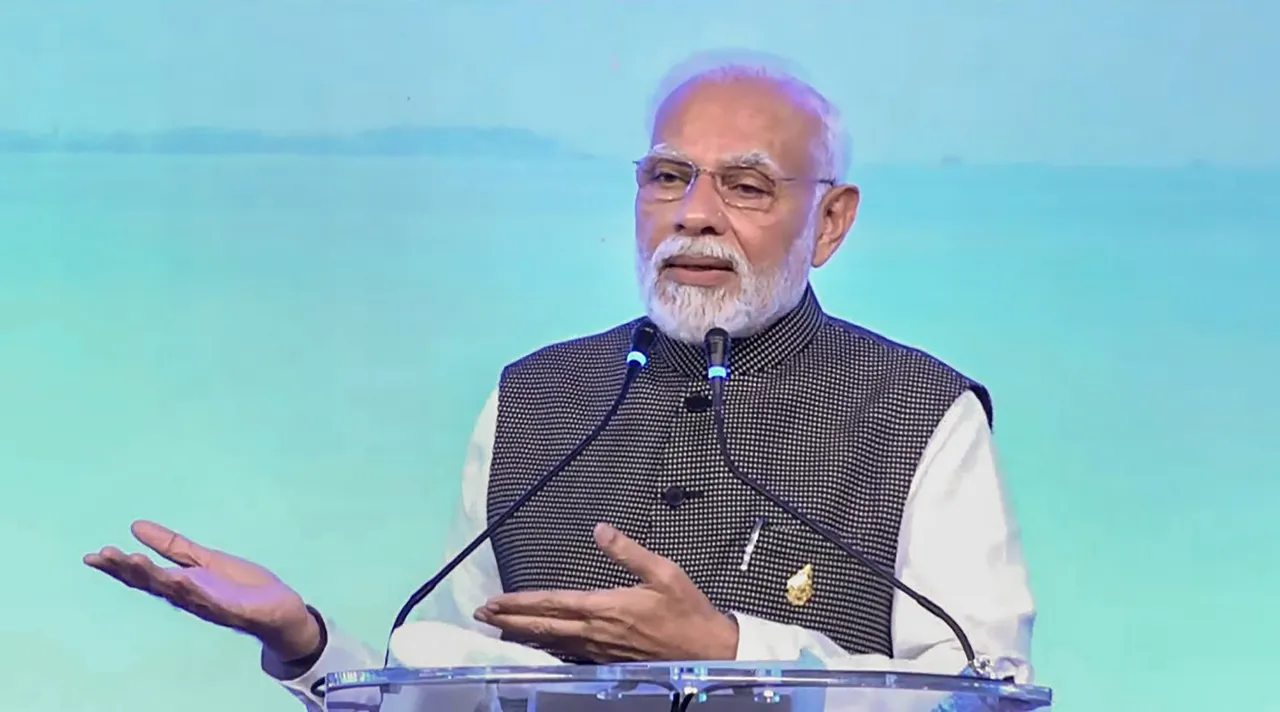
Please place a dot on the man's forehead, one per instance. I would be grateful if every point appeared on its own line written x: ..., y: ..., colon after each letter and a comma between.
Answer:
x: 735, y: 123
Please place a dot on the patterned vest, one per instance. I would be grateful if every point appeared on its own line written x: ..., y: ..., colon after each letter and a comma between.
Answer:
x: 829, y: 416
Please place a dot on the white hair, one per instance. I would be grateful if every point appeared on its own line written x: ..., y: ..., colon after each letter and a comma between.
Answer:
x: 833, y: 152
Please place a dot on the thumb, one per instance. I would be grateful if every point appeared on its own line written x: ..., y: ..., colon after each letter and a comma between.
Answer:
x: 648, y: 566
x: 170, y: 544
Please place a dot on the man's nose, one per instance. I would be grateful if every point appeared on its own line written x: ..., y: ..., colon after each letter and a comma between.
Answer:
x: 702, y: 210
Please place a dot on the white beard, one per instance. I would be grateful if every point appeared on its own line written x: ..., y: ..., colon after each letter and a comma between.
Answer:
x: 759, y: 299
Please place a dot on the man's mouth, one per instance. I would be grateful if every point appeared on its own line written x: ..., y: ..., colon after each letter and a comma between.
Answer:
x: 699, y: 264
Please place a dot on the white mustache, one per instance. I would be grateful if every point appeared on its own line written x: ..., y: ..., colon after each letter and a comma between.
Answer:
x: 683, y: 246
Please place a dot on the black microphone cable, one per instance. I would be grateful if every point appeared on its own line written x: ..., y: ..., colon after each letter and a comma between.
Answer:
x: 642, y: 340
x: 717, y: 346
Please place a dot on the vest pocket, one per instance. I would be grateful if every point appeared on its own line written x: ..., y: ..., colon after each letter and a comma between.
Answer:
x: 765, y: 561
x: 795, y: 576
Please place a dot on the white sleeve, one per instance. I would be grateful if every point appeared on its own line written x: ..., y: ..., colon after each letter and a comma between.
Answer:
x: 959, y: 546
x: 474, y: 581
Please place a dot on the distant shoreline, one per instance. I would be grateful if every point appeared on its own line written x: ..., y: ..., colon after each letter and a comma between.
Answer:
x: 399, y: 141
x: 442, y: 142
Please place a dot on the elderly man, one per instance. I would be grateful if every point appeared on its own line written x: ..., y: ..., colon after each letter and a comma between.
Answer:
x: 646, y: 548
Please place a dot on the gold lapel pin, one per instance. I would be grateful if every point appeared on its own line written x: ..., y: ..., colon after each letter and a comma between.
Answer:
x: 800, y: 586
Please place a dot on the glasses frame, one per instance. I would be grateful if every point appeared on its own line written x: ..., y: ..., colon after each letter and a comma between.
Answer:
x: 716, y: 175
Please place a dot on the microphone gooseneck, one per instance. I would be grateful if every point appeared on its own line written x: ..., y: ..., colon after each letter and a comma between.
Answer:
x: 717, y: 344
x: 642, y: 340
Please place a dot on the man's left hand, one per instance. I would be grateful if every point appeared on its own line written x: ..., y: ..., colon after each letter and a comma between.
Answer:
x: 666, y: 617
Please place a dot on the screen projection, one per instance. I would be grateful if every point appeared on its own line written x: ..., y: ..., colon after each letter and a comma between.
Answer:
x: 261, y: 262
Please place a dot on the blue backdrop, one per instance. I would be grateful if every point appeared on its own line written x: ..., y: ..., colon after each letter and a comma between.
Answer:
x: 260, y: 263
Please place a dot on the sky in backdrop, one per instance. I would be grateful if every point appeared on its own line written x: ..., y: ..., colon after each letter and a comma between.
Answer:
x: 1163, y: 82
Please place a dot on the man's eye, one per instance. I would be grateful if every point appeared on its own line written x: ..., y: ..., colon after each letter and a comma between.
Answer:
x: 749, y: 190
x: 663, y: 177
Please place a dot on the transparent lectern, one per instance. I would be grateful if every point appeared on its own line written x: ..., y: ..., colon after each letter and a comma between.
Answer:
x: 670, y: 687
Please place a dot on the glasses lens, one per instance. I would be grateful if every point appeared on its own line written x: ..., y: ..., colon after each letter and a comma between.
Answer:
x: 746, y: 188
x: 663, y: 178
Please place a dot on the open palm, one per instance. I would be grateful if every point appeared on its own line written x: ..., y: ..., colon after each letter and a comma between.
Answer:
x: 216, y: 586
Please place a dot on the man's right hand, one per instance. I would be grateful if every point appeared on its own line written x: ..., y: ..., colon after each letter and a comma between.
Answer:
x: 220, y: 588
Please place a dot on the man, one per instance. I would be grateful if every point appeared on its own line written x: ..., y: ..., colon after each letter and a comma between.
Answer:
x: 646, y: 548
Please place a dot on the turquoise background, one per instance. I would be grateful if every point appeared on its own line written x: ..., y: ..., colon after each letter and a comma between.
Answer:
x: 279, y: 346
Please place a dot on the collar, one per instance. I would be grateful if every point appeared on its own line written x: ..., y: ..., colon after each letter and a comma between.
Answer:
x: 760, y: 352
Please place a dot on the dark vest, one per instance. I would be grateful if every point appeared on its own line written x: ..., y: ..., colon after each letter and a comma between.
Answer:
x: 829, y: 416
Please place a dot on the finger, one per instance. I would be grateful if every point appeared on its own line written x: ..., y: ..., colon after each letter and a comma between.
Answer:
x: 568, y: 605
x: 648, y: 566
x: 102, y: 560
x: 170, y: 544
x: 167, y: 583
x: 116, y: 563
x: 136, y: 571
x: 539, y: 629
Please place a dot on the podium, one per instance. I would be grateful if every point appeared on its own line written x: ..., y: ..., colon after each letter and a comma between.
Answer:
x: 671, y: 687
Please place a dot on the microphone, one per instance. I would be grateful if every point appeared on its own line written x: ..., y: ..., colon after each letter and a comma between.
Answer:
x: 641, y: 343
x: 717, y: 345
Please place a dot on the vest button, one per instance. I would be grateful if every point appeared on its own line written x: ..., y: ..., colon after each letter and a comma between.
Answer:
x: 674, y: 496
x: 697, y: 403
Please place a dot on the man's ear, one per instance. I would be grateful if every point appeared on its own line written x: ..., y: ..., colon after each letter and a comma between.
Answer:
x: 837, y: 211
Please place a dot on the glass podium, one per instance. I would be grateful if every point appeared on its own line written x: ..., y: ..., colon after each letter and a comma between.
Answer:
x: 670, y: 687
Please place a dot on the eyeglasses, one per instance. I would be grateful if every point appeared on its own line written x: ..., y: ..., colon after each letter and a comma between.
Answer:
x: 664, y: 180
